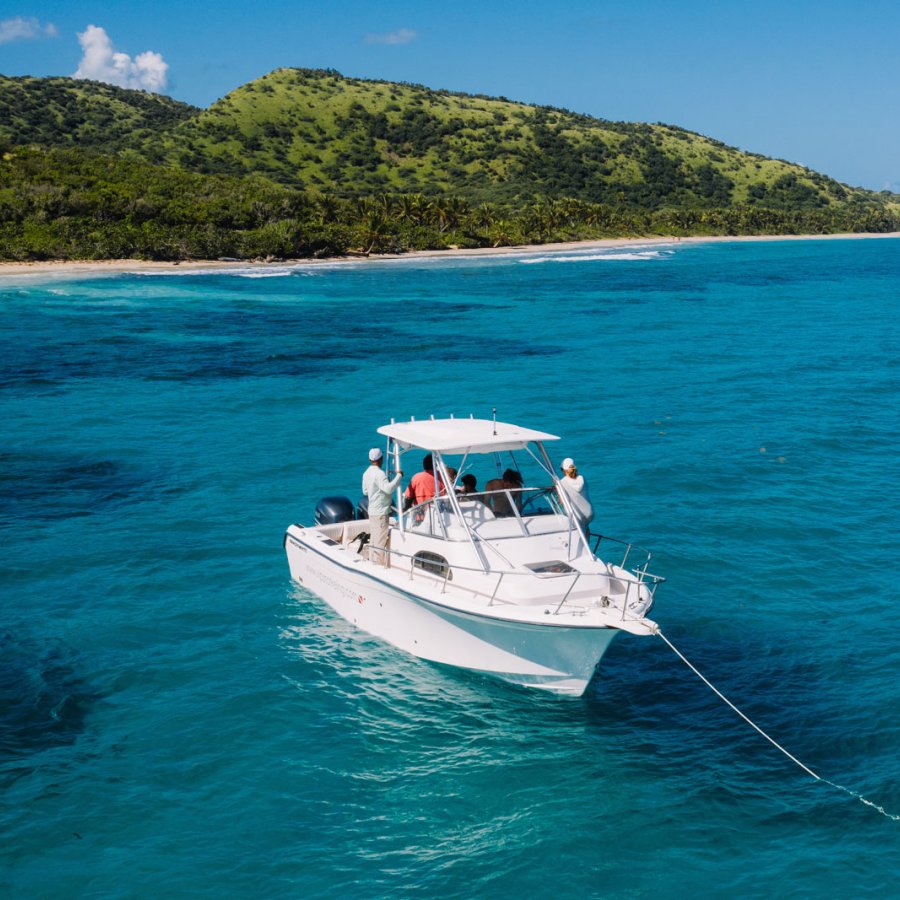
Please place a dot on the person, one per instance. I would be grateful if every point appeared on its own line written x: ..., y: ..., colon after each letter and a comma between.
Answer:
x: 577, y: 491
x: 378, y: 490
x: 421, y: 485
x: 495, y: 495
x: 469, y: 484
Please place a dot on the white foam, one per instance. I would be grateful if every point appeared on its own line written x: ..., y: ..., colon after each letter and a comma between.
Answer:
x: 262, y: 274
x: 245, y: 272
x: 634, y: 255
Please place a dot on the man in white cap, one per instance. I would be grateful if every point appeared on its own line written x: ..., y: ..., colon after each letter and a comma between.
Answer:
x: 378, y: 490
x: 577, y: 491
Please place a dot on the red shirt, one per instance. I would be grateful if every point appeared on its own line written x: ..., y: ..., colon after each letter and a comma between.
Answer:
x: 421, y: 487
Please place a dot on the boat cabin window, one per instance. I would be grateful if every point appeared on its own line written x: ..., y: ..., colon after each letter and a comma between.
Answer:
x: 432, y: 562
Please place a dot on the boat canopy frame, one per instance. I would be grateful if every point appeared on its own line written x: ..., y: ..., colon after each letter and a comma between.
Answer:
x: 470, y: 436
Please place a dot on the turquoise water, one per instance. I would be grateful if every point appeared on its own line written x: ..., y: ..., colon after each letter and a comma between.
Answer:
x: 178, y: 719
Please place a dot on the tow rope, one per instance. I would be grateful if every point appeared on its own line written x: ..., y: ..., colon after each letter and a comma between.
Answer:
x: 774, y: 743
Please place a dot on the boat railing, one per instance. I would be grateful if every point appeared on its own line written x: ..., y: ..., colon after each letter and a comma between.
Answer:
x: 434, y: 517
x: 442, y: 571
x: 628, y: 551
x: 634, y: 578
x: 641, y: 570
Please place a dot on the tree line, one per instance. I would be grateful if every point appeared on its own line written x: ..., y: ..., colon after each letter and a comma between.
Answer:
x: 60, y: 203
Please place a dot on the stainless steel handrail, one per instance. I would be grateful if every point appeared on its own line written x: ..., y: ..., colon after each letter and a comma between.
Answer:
x: 569, y: 591
x: 628, y: 547
x: 641, y: 575
x: 644, y: 578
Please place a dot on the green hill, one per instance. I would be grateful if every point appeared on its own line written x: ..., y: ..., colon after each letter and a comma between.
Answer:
x: 65, y: 112
x: 304, y: 162
x: 317, y: 129
x: 314, y: 129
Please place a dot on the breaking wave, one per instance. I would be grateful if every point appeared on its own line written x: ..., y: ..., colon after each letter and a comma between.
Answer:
x: 632, y: 255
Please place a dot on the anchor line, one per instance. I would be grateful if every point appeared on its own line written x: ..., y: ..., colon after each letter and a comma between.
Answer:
x: 718, y: 693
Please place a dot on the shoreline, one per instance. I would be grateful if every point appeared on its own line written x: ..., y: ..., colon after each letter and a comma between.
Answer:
x: 139, y: 266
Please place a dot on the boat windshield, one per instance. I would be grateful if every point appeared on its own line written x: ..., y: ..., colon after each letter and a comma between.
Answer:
x: 506, y: 494
x: 491, y: 514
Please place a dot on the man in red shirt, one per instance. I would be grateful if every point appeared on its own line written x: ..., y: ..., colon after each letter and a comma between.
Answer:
x: 421, y: 485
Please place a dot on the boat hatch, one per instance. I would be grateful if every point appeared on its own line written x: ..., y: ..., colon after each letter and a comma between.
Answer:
x: 554, y: 567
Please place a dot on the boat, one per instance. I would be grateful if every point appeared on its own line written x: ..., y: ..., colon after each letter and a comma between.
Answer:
x: 505, y: 582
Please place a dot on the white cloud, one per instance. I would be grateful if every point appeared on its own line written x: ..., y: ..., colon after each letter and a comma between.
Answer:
x: 99, y: 62
x: 400, y: 36
x: 21, y: 29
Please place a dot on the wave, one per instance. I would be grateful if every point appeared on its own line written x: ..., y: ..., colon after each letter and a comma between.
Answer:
x: 264, y: 274
x: 244, y: 272
x: 633, y: 255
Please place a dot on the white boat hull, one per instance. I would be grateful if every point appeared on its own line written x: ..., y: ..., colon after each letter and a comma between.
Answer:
x: 554, y: 656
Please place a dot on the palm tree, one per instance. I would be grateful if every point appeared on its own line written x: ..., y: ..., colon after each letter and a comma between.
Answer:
x: 502, y: 233
x: 329, y: 209
x: 413, y: 208
x: 375, y: 229
x: 483, y: 217
x: 386, y: 203
x: 457, y: 210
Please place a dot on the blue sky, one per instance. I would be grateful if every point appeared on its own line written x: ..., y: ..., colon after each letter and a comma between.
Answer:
x: 814, y: 83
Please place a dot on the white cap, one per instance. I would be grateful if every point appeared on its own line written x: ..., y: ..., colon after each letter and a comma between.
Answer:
x: 567, y: 463
x: 375, y: 454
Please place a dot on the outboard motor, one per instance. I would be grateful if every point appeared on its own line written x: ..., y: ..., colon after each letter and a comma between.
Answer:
x: 331, y: 510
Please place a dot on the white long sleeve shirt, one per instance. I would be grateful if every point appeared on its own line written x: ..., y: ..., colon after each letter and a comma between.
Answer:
x: 577, y: 491
x: 378, y: 489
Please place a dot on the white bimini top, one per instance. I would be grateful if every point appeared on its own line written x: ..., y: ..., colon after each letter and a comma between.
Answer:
x: 461, y: 436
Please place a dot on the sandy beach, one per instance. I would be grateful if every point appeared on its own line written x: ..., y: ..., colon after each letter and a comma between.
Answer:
x: 68, y: 268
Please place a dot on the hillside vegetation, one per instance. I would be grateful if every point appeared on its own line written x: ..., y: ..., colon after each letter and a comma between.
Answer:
x: 315, y: 129
x: 63, y: 112
x: 307, y: 161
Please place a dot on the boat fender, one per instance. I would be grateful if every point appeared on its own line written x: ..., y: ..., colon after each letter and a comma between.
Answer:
x: 331, y: 510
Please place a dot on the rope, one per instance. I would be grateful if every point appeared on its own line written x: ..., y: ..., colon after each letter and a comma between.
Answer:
x: 718, y: 693
x: 772, y: 741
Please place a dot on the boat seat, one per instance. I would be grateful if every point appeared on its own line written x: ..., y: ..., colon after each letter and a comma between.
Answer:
x: 332, y: 532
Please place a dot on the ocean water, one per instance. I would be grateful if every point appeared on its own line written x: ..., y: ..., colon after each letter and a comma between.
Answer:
x: 178, y: 719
